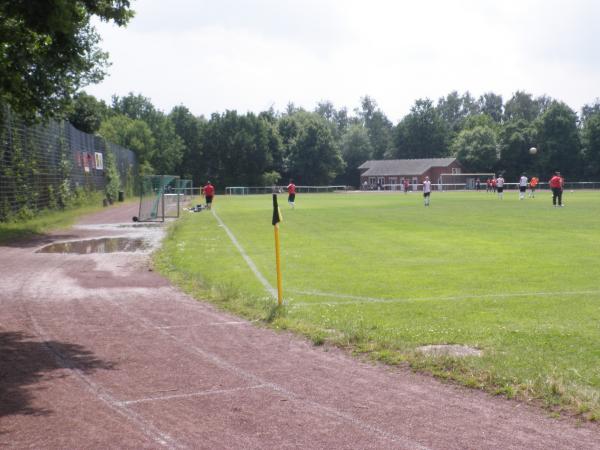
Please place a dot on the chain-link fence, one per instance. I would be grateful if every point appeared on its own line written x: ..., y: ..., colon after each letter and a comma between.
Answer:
x: 46, y: 166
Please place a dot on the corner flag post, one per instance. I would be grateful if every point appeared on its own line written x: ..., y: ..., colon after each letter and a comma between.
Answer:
x: 276, y: 219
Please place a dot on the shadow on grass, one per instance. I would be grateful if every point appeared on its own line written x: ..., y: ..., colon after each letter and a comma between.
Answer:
x: 25, y: 363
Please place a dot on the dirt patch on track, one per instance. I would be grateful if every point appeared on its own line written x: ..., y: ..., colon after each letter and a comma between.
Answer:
x: 97, y: 352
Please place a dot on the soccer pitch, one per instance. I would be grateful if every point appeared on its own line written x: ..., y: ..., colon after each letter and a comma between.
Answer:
x: 382, y: 274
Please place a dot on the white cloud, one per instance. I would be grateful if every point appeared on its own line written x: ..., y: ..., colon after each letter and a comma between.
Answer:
x: 249, y: 55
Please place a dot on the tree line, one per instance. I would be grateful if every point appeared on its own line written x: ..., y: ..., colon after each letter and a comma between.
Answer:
x: 50, y: 53
x: 326, y: 145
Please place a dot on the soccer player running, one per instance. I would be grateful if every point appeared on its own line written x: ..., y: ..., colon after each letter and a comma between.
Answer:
x: 500, y: 186
x: 291, y: 194
x: 209, y: 192
x: 426, y: 190
x: 556, y: 184
x: 532, y: 185
x: 522, y: 186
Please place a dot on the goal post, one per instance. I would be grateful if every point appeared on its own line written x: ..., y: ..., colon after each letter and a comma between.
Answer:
x: 462, y: 181
x: 247, y: 190
x: 160, y: 198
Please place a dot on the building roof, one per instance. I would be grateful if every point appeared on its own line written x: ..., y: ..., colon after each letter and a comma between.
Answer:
x: 403, y: 166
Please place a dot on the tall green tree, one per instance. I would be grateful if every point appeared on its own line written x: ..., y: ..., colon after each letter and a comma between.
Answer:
x: 559, y: 143
x: 476, y: 148
x: 522, y: 106
x: 591, y: 146
x: 237, y: 150
x: 136, y: 106
x: 422, y: 133
x: 132, y: 134
x: 356, y: 149
x: 454, y: 110
x: 169, y: 146
x: 379, y: 127
x: 338, y: 119
x: 49, y: 50
x: 516, y: 138
x: 87, y: 112
x: 312, y: 154
x: 589, y: 110
x: 492, y: 105
x: 189, y: 129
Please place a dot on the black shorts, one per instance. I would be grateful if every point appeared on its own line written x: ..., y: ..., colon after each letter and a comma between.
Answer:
x: 291, y: 197
x: 209, y: 199
x: 426, y: 194
x: 522, y: 188
x: 500, y: 189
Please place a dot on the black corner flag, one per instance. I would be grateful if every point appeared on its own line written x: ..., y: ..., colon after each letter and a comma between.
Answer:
x: 276, y: 213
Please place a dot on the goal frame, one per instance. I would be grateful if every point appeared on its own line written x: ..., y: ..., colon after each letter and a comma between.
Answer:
x: 450, y: 181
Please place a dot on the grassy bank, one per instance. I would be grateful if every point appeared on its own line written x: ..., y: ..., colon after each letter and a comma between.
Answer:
x: 47, y: 221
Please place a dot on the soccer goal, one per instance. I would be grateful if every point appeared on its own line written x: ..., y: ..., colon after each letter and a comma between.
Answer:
x: 237, y: 190
x: 462, y: 181
x: 160, y: 198
x: 186, y: 189
x: 246, y: 190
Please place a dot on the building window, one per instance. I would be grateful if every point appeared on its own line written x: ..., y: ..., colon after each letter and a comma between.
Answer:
x: 455, y: 170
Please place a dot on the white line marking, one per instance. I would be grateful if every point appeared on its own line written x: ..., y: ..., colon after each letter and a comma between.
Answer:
x: 211, y: 324
x: 249, y: 261
x: 231, y: 323
x: 193, y: 394
x: 359, y: 299
x: 223, y: 364
x: 146, y: 427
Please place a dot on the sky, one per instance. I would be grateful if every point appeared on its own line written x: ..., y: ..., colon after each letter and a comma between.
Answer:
x: 213, y: 56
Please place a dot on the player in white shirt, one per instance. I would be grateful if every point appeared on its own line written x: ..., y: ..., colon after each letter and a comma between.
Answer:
x: 426, y: 190
x: 500, y: 186
x: 522, y: 186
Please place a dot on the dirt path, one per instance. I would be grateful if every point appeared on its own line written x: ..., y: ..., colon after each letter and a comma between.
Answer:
x: 96, y: 351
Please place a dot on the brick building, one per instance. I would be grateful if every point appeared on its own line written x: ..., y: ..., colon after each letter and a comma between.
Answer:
x: 395, y: 171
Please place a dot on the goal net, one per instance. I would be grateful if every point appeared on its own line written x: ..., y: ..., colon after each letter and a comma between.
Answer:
x: 185, y: 188
x: 462, y: 181
x: 247, y: 190
x: 160, y: 198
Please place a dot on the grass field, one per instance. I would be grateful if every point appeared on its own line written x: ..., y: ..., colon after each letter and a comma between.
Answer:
x: 49, y: 220
x: 382, y: 275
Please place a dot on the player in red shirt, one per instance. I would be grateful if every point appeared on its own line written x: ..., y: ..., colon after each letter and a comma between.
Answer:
x: 405, y: 185
x: 556, y: 184
x: 209, y: 193
x: 532, y: 185
x: 291, y: 193
x: 493, y: 184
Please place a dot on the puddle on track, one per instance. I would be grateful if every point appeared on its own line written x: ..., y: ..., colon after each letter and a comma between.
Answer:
x: 102, y: 245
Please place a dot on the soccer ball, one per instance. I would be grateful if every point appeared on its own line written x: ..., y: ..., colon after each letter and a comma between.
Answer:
x: 533, y: 150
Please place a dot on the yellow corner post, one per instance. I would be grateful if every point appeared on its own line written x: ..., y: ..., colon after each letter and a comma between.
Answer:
x: 276, y: 219
x: 278, y: 266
